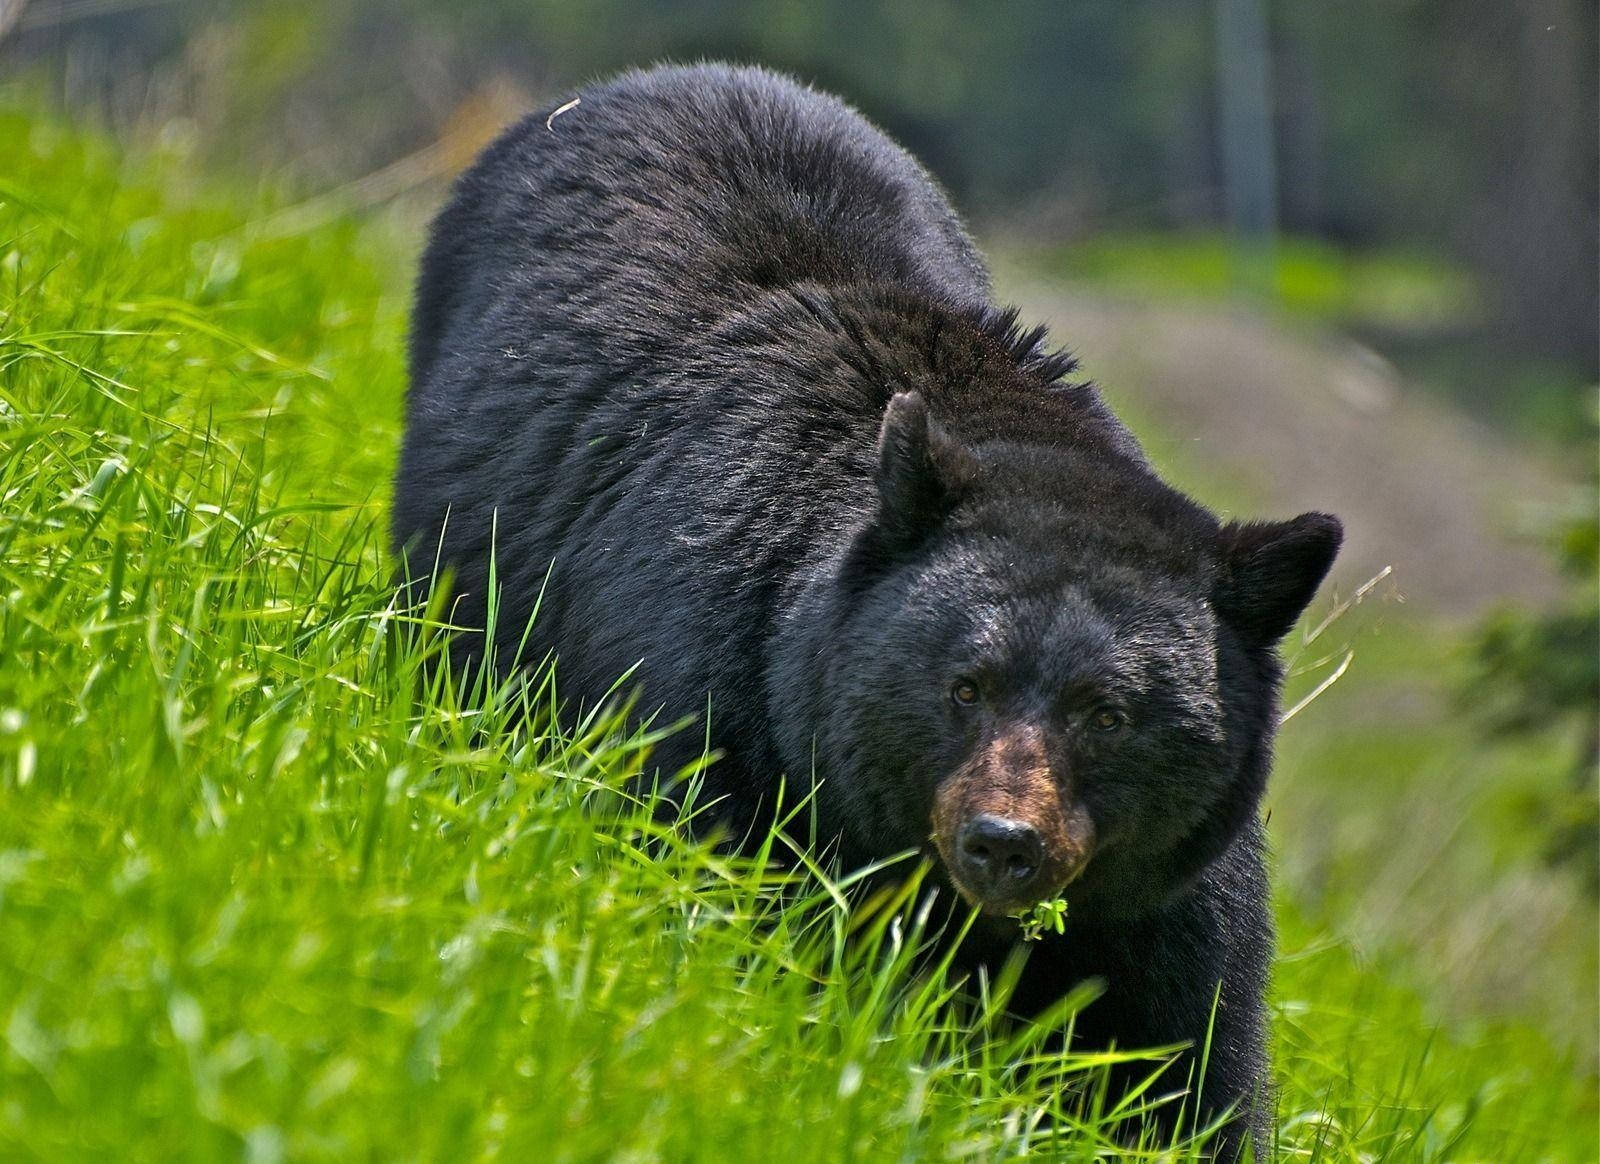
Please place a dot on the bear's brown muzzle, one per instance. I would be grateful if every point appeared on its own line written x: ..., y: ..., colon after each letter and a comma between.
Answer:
x: 1006, y: 827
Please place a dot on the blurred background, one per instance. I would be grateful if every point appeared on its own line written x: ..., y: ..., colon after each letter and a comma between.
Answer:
x: 1336, y: 256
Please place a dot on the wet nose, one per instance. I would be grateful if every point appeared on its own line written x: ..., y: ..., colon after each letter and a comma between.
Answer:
x: 999, y: 856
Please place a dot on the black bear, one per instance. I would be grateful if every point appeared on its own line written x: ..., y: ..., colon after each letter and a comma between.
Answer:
x: 711, y: 369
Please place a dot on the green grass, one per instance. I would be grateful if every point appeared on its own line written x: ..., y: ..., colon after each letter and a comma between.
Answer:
x: 1398, y: 812
x: 1306, y: 277
x: 272, y: 889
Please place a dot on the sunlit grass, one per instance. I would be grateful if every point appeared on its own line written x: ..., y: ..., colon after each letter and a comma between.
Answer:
x: 1306, y: 277
x: 273, y: 887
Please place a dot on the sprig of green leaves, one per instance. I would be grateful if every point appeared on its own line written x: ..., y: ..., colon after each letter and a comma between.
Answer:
x: 1047, y: 915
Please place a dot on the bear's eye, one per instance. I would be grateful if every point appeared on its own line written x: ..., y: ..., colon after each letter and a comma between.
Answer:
x: 964, y: 692
x: 1107, y: 719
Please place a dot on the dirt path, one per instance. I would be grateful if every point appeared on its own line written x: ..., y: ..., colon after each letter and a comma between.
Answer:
x: 1299, y: 421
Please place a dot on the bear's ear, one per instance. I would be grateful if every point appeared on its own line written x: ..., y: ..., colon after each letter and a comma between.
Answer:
x: 1270, y: 570
x: 922, y: 471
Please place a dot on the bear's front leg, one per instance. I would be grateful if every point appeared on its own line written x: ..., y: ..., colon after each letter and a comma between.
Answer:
x: 1193, y: 973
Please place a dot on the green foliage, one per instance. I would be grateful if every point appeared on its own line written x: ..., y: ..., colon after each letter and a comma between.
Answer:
x: 273, y: 887
x: 1397, y: 818
x: 1046, y: 917
x: 1538, y: 675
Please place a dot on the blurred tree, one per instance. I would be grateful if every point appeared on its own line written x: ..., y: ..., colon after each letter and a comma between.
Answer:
x: 1467, y: 125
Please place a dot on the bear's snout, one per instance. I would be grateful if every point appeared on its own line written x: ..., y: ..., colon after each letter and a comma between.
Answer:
x: 1008, y: 832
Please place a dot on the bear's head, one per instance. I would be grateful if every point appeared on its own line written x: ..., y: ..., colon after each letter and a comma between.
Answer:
x: 1051, y: 671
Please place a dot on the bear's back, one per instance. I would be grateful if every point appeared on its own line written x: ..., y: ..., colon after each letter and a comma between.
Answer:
x: 665, y: 200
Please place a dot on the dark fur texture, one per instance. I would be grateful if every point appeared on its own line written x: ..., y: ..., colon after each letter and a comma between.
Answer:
x: 719, y: 357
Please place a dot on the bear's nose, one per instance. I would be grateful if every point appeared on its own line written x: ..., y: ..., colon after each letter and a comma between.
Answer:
x: 999, y: 855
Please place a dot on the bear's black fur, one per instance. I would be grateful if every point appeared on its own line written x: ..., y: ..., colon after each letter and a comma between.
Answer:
x: 717, y: 356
